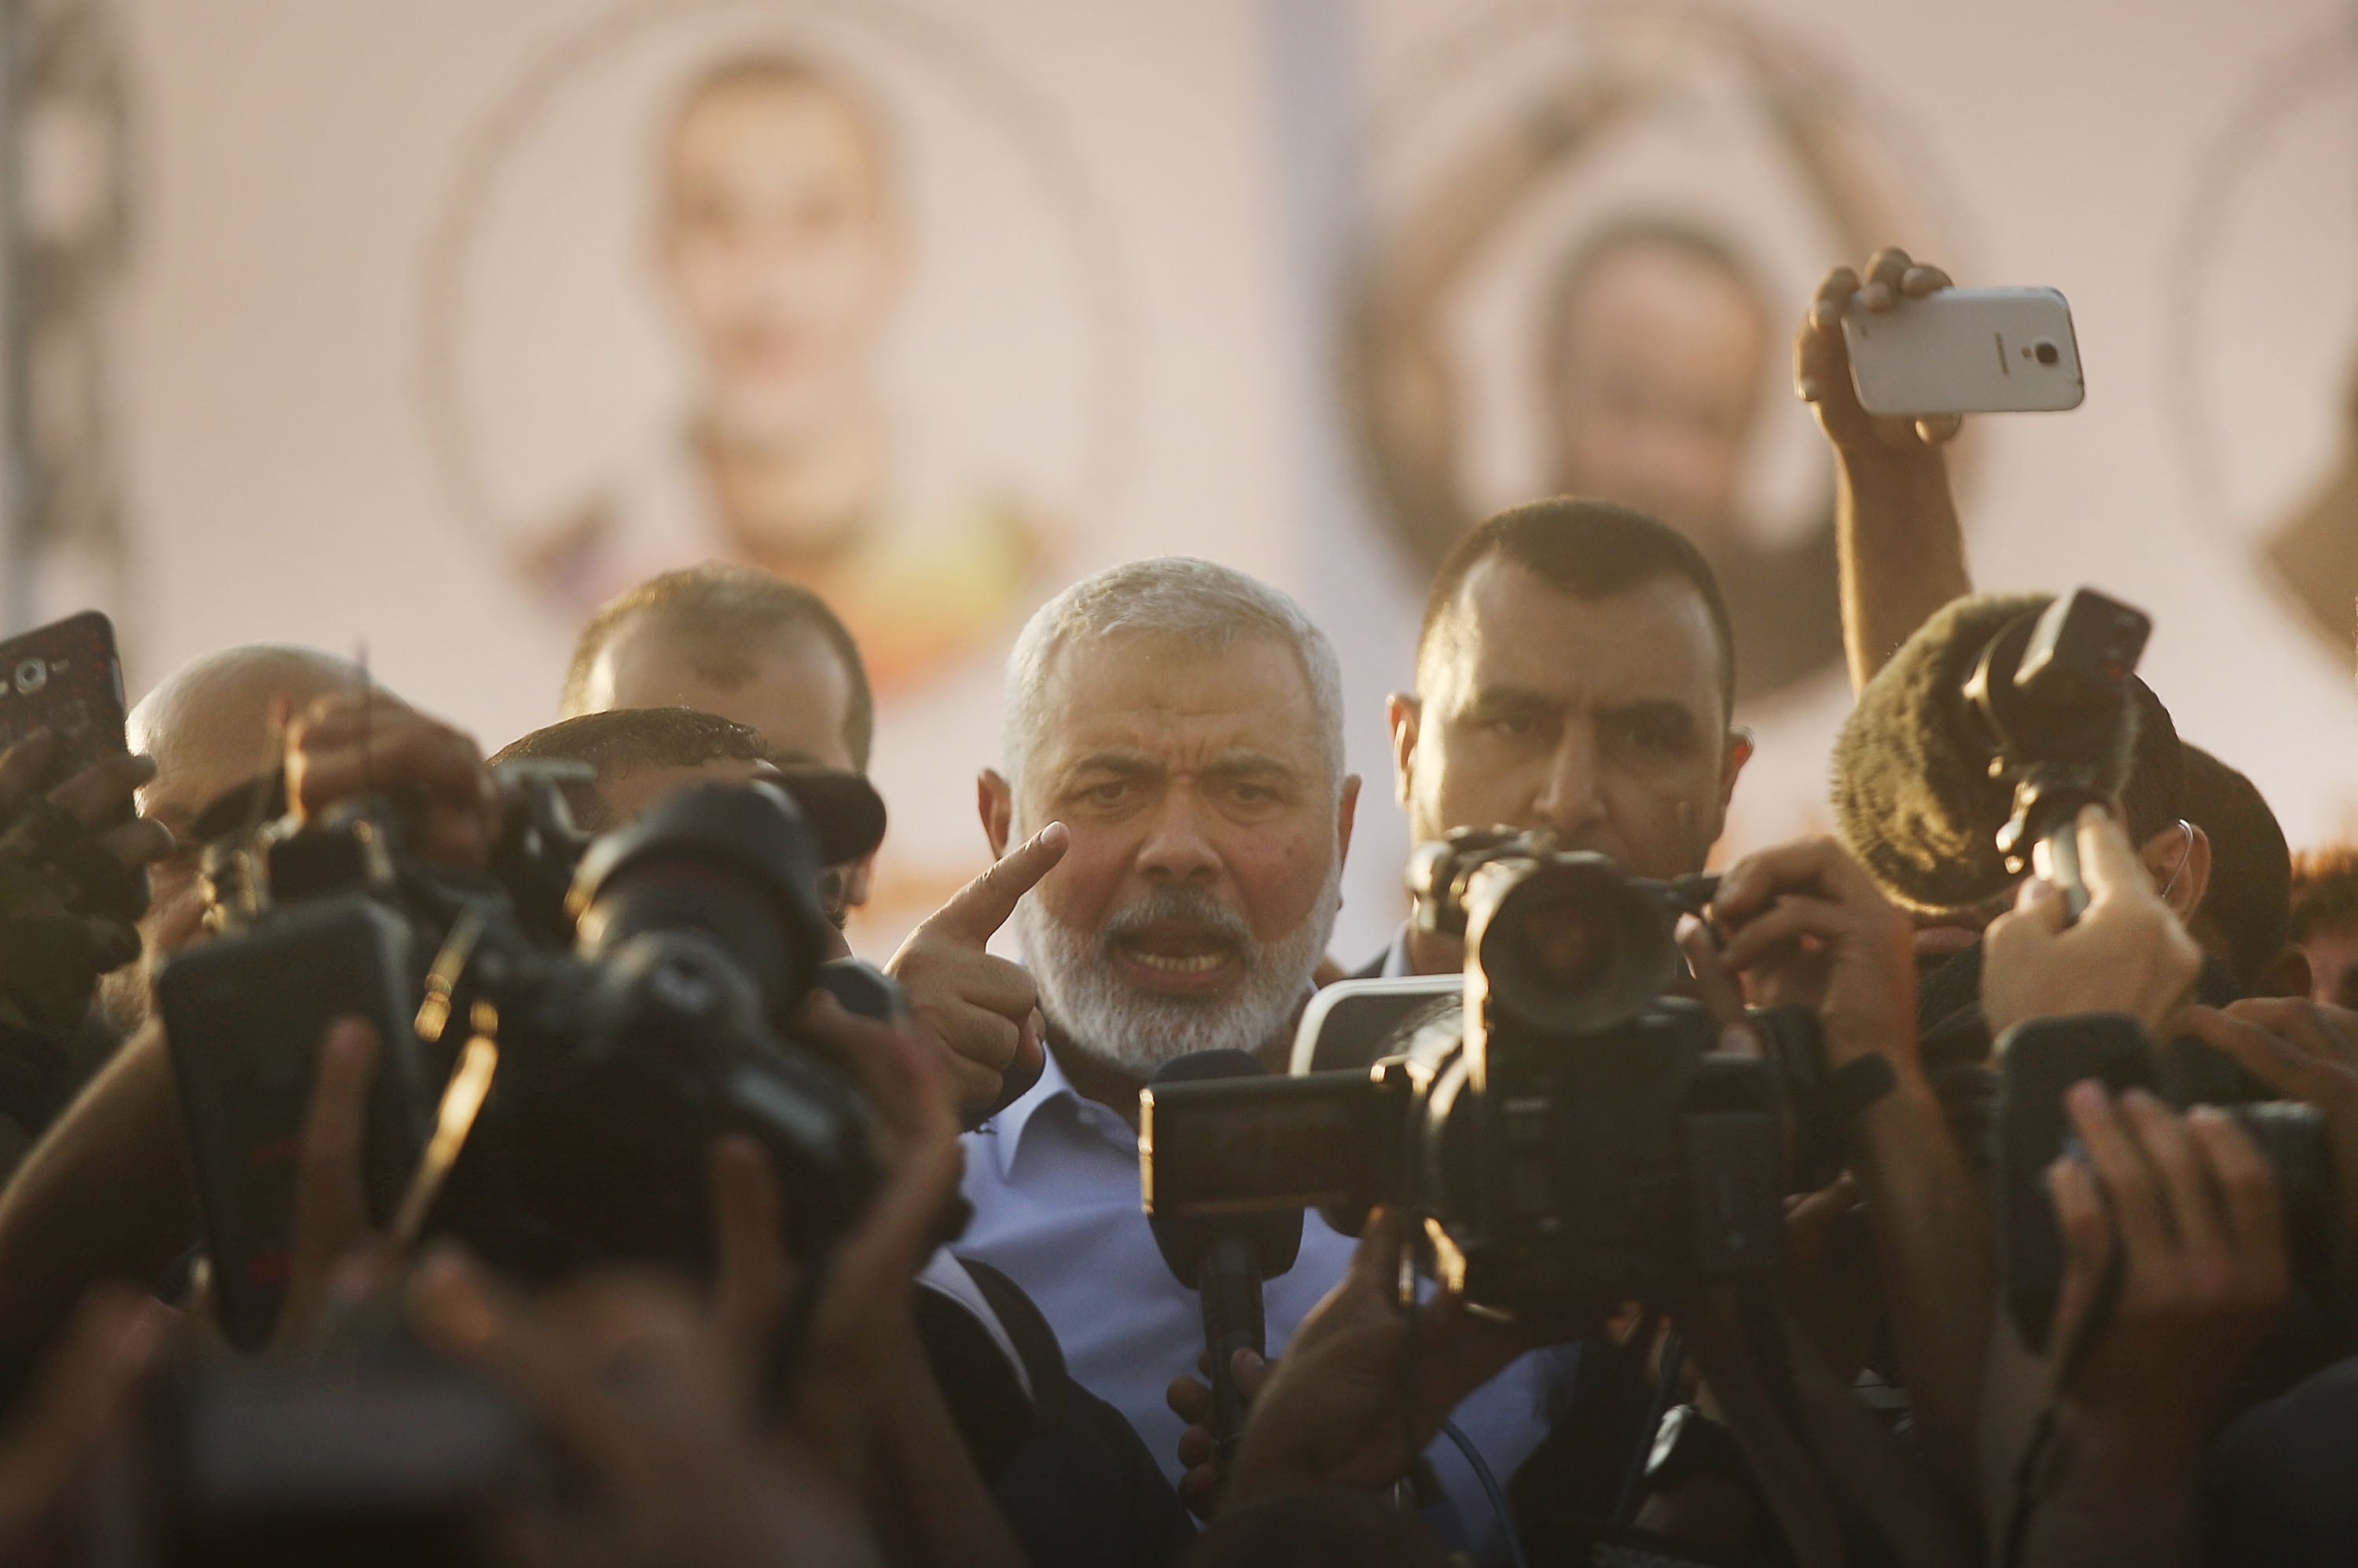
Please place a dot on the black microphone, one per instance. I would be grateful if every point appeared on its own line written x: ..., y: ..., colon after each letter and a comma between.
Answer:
x: 1982, y: 739
x: 1224, y: 1260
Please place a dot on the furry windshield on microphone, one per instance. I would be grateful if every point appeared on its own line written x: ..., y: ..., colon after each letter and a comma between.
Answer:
x: 1913, y: 792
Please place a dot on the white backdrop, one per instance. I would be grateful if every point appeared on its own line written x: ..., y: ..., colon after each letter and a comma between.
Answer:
x: 298, y: 157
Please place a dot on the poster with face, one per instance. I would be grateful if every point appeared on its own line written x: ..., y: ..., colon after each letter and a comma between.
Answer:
x: 813, y: 289
x: 1592, y: 225
x: 721, y: 281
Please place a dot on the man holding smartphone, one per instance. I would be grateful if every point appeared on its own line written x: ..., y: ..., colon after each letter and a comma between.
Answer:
x: 1900, y: 546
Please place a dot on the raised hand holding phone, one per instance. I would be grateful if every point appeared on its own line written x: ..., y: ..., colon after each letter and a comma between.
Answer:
x: 1965, y: 351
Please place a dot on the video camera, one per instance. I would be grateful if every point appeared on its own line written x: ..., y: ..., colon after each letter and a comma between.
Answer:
x: 1569, y: 1133
x: 2041, y: 1062
x: 552, y: 1068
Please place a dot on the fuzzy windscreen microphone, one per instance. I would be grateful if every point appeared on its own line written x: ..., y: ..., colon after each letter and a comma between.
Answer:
x: 1913, y: 792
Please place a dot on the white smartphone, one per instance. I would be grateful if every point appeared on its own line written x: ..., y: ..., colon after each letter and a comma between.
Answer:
x: 1967, y: 350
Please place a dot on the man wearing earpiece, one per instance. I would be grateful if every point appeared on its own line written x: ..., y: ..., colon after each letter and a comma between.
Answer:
x: 1903, y: 559
x: 1575, y: 672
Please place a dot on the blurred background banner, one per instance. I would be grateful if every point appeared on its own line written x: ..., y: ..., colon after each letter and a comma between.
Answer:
x: 428, y: 325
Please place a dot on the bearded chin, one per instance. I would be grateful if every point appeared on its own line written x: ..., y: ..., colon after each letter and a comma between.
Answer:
x: 1096, y: 1014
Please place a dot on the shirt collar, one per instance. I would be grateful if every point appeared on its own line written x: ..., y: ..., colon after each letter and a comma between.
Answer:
x: 1007, y: 1126
x: 1006, y: 1129
x: 1396, y: 959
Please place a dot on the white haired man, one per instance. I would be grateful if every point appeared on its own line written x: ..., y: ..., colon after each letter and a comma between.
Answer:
x: 1174, y: 746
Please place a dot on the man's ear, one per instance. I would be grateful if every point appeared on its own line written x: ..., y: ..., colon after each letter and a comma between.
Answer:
x: 1404, y: 712
x: 859, y: 879
x: 995, y: 802
x: 1740, y: 747
x: 1347, y: 812
x: 2178, y: 860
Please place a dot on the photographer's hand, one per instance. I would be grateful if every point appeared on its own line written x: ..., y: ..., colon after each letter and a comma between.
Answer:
x: 73, y: 854
x: 336, y: 1258
x: 980, y: 1013
x: 1902, y: 550
x: 1811, y: 927
x: 115, y: 1340
x: 1341, y: 1408
x: 2127, y: 954
x: 860, y: 1319
x: 629, y: 1377
x: 2188, y: 1215
x: 2306, y: 1050
x: 861, y: 1392
x: 1190, y: 1398
x: 1806, y: 924
x: 357, y: 743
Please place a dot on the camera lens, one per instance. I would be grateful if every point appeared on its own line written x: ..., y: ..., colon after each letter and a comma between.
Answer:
x: 2046, y: 353
x: 31, y: 676
x: 1567, y: 943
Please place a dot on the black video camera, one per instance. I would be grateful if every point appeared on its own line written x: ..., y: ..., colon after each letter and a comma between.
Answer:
x: 1570, y: 1132
x: 2042, y: 1059
x: 553, y: 1102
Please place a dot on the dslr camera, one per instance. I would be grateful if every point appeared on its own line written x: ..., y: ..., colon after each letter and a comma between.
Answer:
x: 1566, y: 1132
x: 560, y: 1038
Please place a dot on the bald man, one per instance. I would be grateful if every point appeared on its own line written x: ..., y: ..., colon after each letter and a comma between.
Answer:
x: 211, y: 726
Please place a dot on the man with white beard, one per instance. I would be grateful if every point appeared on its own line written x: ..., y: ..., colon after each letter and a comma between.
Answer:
x: 1174, y: 748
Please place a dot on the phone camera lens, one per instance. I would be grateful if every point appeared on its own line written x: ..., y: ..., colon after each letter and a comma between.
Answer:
x: 31, y: 676
x: 2046, y: 353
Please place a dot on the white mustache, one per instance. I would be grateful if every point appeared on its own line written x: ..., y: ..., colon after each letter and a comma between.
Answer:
x: 1177, y: 906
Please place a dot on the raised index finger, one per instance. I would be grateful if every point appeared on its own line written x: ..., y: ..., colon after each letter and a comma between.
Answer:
x: 982, y: 907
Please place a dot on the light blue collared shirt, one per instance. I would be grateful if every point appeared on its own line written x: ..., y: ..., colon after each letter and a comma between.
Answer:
x: 1053, y: 1181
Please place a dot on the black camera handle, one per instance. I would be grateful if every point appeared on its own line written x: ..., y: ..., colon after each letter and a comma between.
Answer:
x: 1227, y: 1286
x: 2042, y: 837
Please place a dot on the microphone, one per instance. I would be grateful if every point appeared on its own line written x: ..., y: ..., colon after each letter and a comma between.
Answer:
x: 1982, y: 739
x: 1225, y: 1259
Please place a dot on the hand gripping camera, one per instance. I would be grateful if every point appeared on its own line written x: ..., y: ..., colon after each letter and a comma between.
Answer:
x: 1567, y: 1133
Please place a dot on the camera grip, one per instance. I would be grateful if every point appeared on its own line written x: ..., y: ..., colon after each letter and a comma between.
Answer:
x: 2040, y: 1060
x: 1229, y: 1290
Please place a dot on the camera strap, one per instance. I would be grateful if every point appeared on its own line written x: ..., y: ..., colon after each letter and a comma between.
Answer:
x: 462, y: 1100
x: 470, y: 1083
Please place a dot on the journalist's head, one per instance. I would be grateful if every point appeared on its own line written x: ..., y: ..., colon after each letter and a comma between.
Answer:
x: 1575, y: 672
x: 211, y: 726
x: 736, y: 641
x: 1184, y: 722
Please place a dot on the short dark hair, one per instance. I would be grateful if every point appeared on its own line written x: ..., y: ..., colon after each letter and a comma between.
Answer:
x: 2153, y: 798
x: 1589, y: 549
x: 719, y: 611
x: 2324, y: 891
x: 626, y: 740
x: 2250, y: 898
